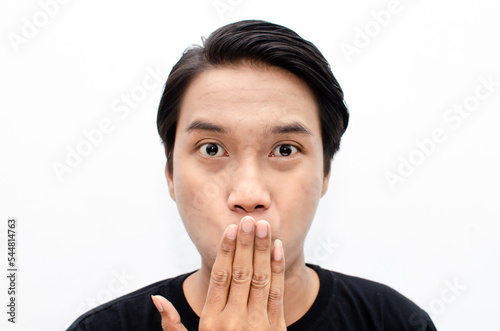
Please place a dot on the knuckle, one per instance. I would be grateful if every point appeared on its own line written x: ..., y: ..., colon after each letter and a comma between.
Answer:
x: 241, y: 275
x: 245, y: 242
x: 165, y: 324
x: 220, y: 277
x: 275, y: 294
x: 262, y: 247
x: 278, y: 268
x: 260, y: 280
x: 227, y: 248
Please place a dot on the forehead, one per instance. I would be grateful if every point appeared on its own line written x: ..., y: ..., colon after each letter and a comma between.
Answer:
x: 249, y: 94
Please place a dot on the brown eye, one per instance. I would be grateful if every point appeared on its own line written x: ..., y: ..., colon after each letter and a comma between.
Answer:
x: 212, y: 150
x: 284, y: 150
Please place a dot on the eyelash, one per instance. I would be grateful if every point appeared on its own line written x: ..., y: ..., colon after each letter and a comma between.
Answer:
x: 203, y: 147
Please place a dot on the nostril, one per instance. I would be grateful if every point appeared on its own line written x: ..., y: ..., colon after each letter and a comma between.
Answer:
x: 248, y: 209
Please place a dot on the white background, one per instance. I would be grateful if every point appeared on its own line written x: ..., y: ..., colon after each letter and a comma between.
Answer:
x: 108, y: 226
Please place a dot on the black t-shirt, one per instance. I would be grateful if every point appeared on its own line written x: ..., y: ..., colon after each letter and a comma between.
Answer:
x: 343, y: 303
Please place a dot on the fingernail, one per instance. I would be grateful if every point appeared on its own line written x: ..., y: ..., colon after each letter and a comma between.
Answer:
x: 247, y: 224
x: 261, y: 229
x: 278, y: 250
x: 157, y: 303
x: 231, y: 232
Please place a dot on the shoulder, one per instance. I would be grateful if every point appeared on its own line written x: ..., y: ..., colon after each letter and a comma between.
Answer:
x: 133, y: 309
x: 379, y: 306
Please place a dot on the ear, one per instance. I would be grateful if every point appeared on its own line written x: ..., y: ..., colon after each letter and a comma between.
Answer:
x: 170, y: 181
x: 169, y: 176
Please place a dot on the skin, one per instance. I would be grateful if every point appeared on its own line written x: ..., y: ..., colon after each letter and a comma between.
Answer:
x: 248, y: 148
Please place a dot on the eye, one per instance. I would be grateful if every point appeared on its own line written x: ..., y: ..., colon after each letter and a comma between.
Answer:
x: 212, y: 150
x: 284, y: 150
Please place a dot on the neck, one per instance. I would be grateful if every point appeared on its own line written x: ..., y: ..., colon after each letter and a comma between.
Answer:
x: 301, y: 289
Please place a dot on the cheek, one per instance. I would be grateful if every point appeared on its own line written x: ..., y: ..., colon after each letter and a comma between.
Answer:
x: 186, y: 192
x: 297, y: 202
x: 307, y: 188
x: 197, y: 193
x: 308, y: 197
x: 198, y: 199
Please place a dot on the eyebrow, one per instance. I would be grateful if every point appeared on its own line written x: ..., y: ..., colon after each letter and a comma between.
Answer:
x: 294, y: 127
x: 199, y: 125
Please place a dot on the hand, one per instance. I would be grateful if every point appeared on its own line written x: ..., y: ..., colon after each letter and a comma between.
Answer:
x: 246, y: 286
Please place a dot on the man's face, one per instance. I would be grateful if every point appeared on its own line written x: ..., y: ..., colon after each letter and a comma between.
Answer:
x: 248, y: 142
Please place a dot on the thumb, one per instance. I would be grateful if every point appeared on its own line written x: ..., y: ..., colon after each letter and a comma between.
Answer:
x: 170, y: 319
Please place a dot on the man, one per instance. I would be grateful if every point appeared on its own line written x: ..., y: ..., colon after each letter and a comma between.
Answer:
x: 250, y: 123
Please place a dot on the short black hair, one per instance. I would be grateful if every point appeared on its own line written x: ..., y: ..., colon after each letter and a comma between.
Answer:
x: 265, y: 43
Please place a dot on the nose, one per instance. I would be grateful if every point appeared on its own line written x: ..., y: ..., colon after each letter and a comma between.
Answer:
x: 249, y: 191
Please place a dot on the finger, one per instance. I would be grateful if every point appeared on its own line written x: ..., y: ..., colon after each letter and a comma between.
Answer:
x: 261, y: 279
x: 242, y: 265
x: 170, y: 319
x: 275, y: 304
x: 218, y: 288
